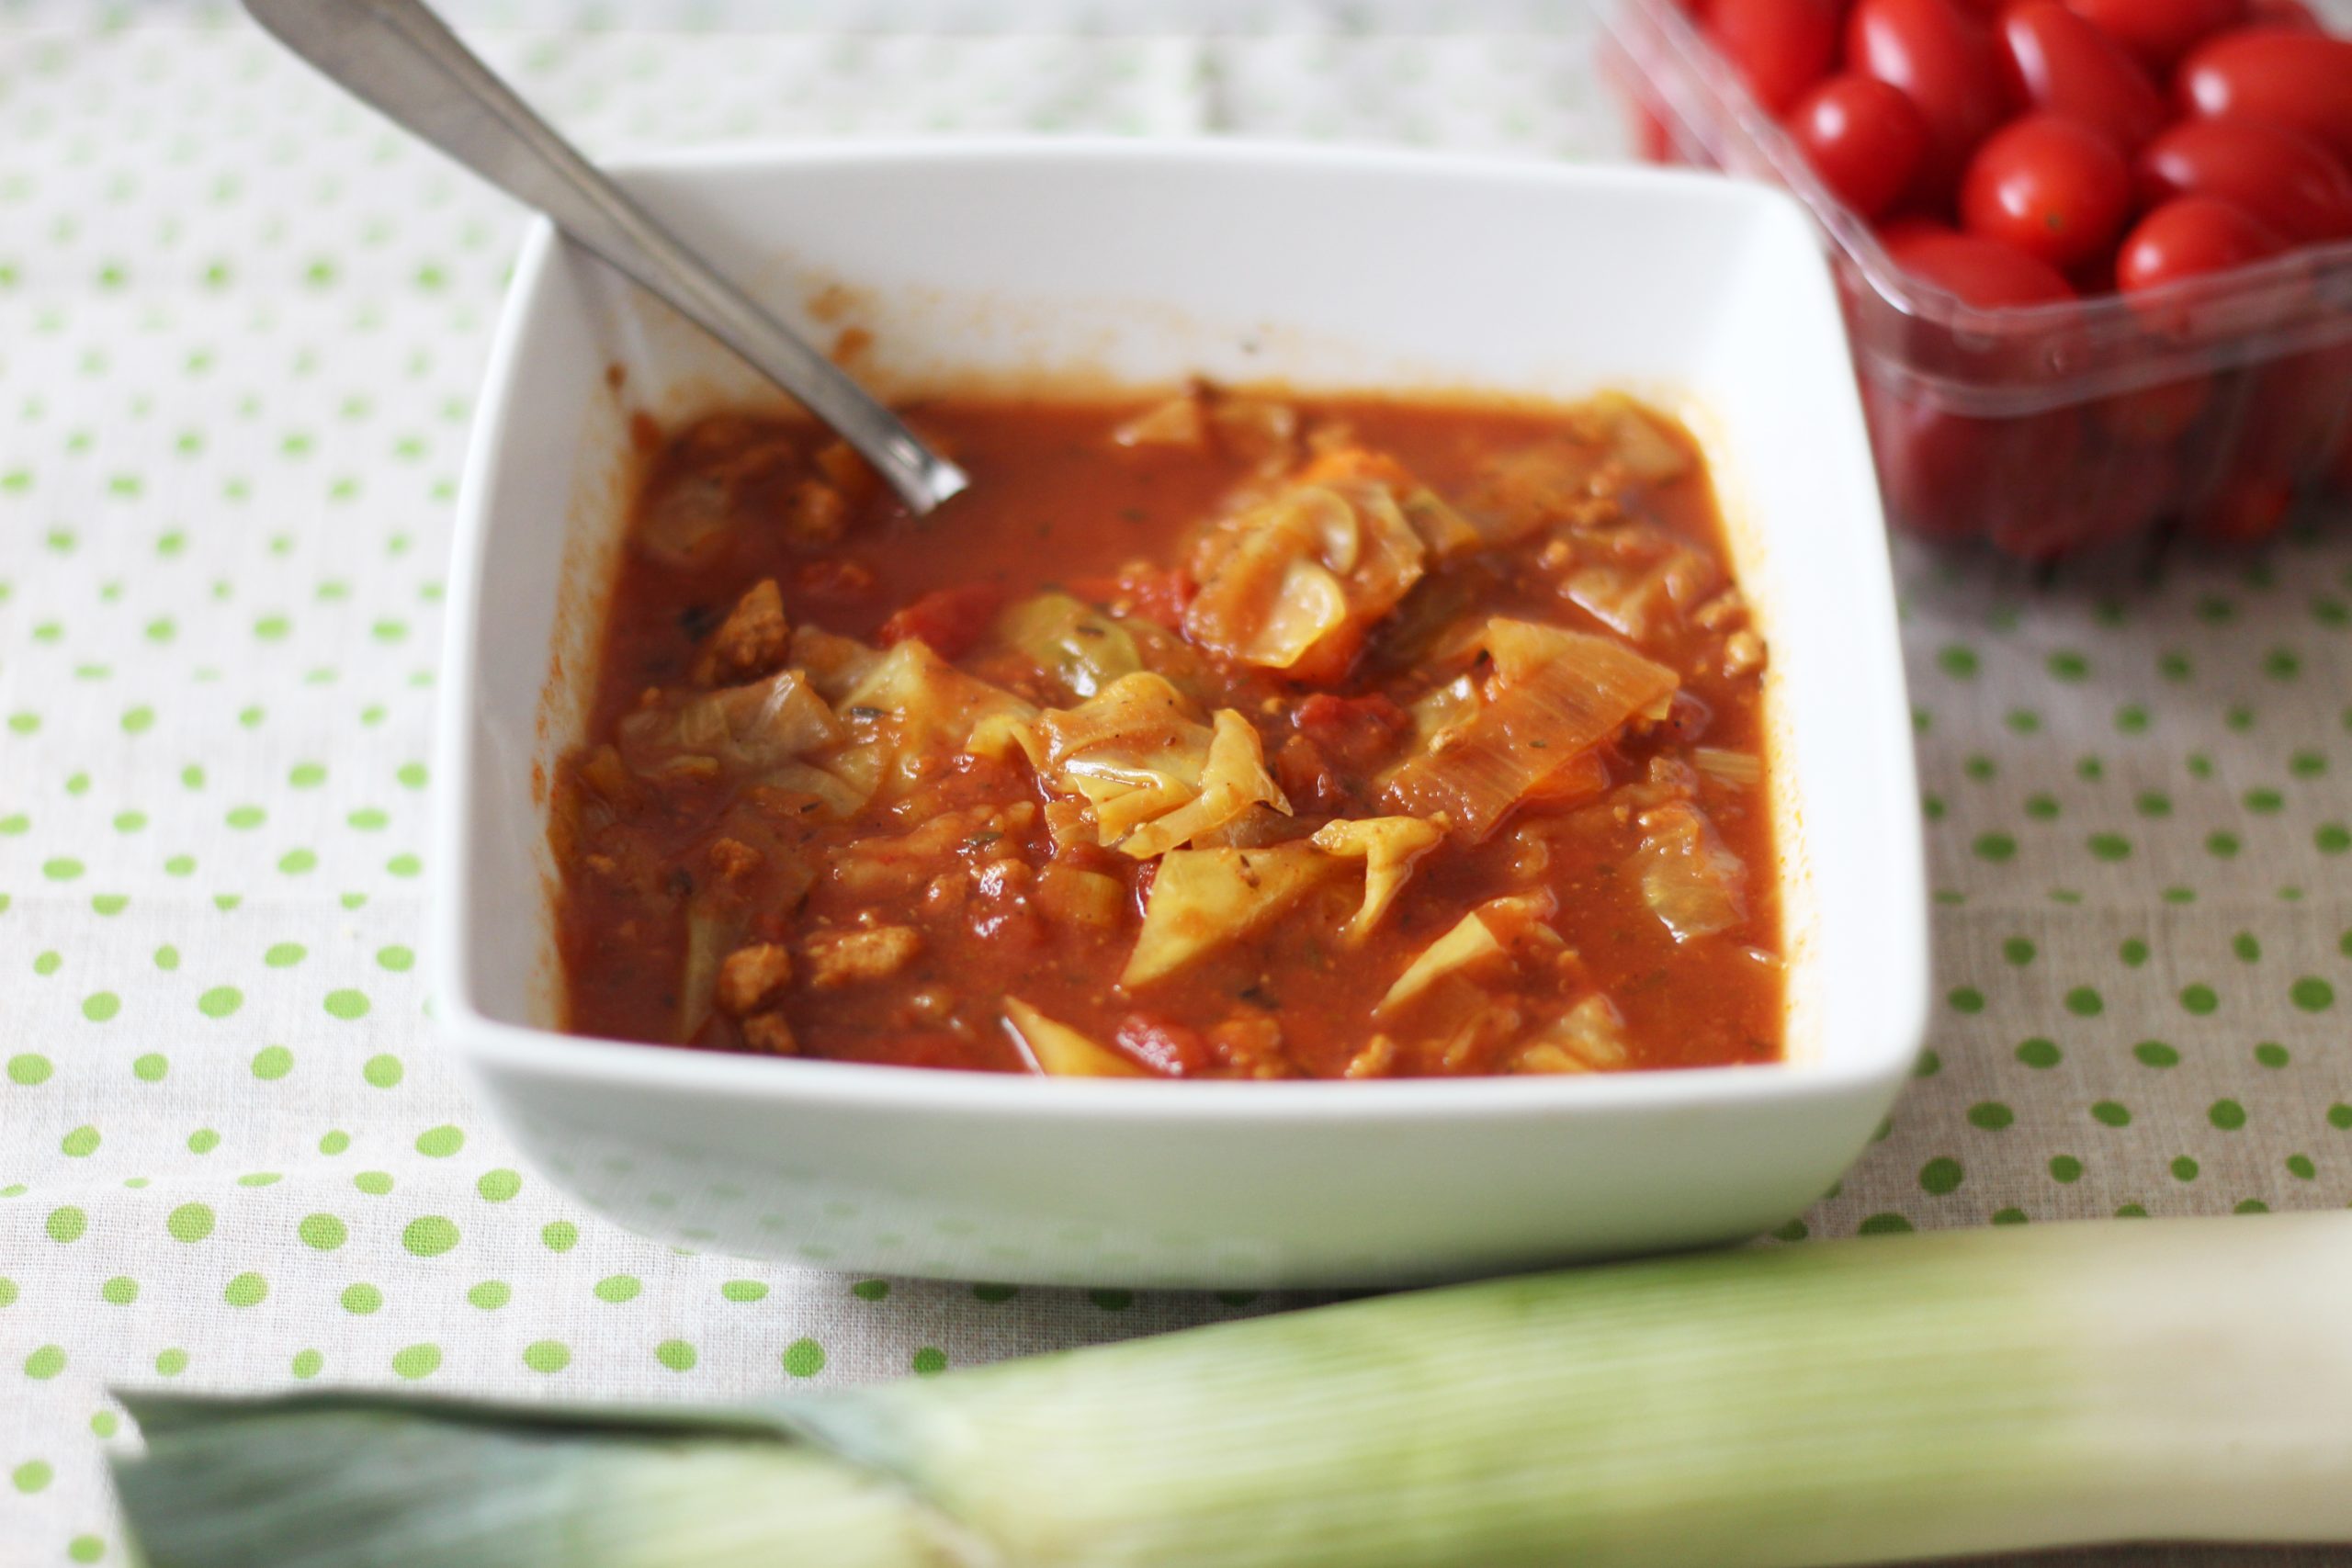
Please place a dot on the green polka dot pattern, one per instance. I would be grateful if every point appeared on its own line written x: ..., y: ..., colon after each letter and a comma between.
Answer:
x: 238, y: 356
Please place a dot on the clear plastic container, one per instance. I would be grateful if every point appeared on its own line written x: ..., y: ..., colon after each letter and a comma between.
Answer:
x: 2206, y: 408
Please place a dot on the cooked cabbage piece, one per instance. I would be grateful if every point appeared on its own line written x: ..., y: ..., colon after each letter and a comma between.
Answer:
x: 736, y: 731
x: 1202, y: 899
x: 1690, y: 878
x: 1588, y: 1038
x: 1484, y: 938
x: 1388, y: 846
x: 1155, y: 776
x: 1642, y: 580
x: 1179, y: 423
x: 1297, y: 581
x: 912, y: 705
x: 1070, y: 640
x: 1060, y: 1051
x: 1550, y: 697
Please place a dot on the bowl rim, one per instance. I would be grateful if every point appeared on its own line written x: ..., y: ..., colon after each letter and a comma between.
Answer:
x: 496, y: 1046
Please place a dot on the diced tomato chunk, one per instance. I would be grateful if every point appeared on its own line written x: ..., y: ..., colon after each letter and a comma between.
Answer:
x: 1307, y: 778
x: 1151, y: 593
x: 952, y: 620
x: 1352, y: 731
x: 1163, y: 1045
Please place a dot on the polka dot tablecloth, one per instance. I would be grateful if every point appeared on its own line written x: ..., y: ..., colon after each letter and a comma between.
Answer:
x: 241, y: 324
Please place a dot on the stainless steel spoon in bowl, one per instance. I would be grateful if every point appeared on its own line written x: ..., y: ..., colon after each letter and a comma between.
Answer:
x: 401, y: 59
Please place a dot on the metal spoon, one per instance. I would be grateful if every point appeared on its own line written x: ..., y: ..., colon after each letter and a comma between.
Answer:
x: 400, y: 58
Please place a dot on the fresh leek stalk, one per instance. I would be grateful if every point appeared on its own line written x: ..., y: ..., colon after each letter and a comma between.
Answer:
x: 1834, y: 1402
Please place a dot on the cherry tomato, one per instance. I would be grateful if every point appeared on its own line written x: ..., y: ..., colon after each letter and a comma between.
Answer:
x: 2245, y: 510
x: 1779, y: 47
x: 2054, y: 189
x: 1864, y: 138
x: 2189, y: 237
x: 2059, y: 62
x: 1944, y: 61
x: 2159, y: 31
x: 2279, y: 176
x: 2299, y: 80
x: 1981, y: 272
x: 2292, y: 411
x: 2107, y: 497
x: 2152, y: 416
x: 1952, y: 476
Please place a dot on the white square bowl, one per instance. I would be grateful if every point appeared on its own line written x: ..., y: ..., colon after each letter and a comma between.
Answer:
x: 1135, y: 263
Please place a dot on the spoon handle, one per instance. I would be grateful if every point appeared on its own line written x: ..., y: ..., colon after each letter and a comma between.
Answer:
x: 401, y: 59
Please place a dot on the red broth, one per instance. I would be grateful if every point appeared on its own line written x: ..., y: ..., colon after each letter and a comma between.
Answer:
x: 1224, y: 737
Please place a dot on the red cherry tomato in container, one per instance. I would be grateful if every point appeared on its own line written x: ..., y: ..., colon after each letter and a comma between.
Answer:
x: 2279, y: 175
x: 2054, y: 189
x: 2300, y: 81
x: 1950, y: 476
x: 2159, y: 31
x: 1981, y: 272
x: 1864, y: 138
x: 2189, y: 237
x: 1944, y: 61
x: 2059, y: 62
x: 1779, y: 47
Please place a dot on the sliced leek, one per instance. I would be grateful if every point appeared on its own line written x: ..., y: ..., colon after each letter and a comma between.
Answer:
x: 1837, y: 1403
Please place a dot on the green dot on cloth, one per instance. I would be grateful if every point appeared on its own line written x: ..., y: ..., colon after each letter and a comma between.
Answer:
x: 744, y: 1290
x: 29, y: 1069
x: 417, y: 1361
x: 2156, y: 1054
x: 361, y: 1299
x: 2085, y: 1002
x: 617, y: 1288
x: 2066, y: 1167
x: 546, y: 1355
x: 306, y: 1364
x: 1940, y: 1176
x: 676, y: 1355
x: 928, y: 1361
x: 804, y: 1358
x: 1888, y: 1224
x: 2200, y: 999
x: 2226, y: 1114
x: 347, y: 1005
x: 2312, y: 994
x: 272, y: 1062
x: 2109, y: 1114
x: 120, y: 1290
x: 870, y: 1290
x: 85, y: 1549
x: 560, y: 1235
x: 1966, y: 998
x: 31, y: 1476
x: 45, y: 1362
x: 220, y: 1001
x: 2038, y: 1052
x: 382, y: 1071
x: 375, y: 1183
x: 398, y: 960
x: 189, y: 1222
x: 498, y: 1185
x: 79, y: 1144
x: 490, y: 1294
x: 1112, y: 1300
x: 321, y: 1232
x: 2184, y: 1169
x: 429, y: 1236
x: 1991, y: 1115
x: 440, y: 1142
x: 247, y: 1290
x: 66, y: 1225
x: 203, y: 1141
x: 100, y: 1005
x: 285, y: 955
